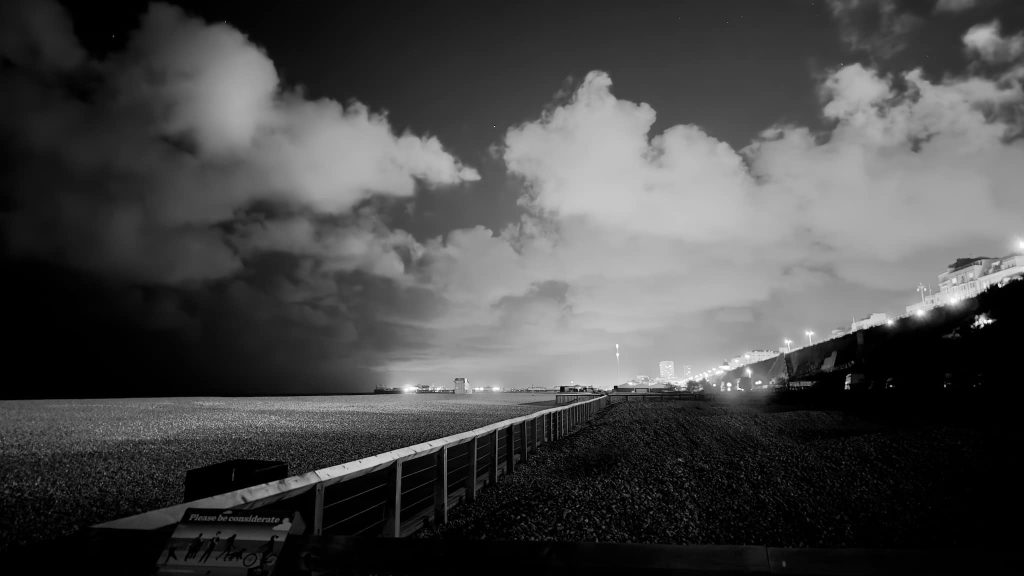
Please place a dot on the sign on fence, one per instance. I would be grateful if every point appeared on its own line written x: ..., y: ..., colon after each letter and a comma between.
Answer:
x: 226, y: 542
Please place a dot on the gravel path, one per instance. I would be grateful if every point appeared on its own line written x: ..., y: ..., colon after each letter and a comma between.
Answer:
x: 66, y: 464
x: 709, y: 473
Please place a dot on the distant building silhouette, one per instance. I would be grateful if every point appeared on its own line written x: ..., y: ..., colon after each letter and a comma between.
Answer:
x: 667, y: 369
x: 876, y: 319
x: 968, y: 277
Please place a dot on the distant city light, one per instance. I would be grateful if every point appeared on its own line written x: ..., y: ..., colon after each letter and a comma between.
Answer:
x: 920, y: 313
x: 890, y: 322
x: 409, y: 389
x: 495, y: 388
x: 982, y: 320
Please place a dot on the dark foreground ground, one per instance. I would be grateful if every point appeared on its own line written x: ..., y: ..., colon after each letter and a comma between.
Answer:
x: 715, y: 473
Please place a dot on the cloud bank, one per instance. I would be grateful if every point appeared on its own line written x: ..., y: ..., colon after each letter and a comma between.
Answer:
x: 985, y: 42
x: 876, y: 27
x: 190, y: 127
x: 629, y: 234
x: 232, y: 220
x: 182, y: 164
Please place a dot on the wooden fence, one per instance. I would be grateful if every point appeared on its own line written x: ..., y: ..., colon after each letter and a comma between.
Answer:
x: 655, y: 397
x: 399, y: 492
x: 563, y: 398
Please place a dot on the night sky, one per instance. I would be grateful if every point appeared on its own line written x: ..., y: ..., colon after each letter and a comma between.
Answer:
x: 303, y: 197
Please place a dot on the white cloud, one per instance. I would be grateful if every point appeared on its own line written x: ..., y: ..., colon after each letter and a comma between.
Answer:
x: 628, y: 236
x: 898, y: 172
x: 187, y: 129
x: 594, y: 158
x: 986, y: 42
x: 364, y: 244
x: 877, y: 27
x: 642, y: 233
x: 204, y: 82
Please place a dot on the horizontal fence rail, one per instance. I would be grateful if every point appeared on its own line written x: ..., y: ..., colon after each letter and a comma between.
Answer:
x: 398, y: 492
x: 654, y: 396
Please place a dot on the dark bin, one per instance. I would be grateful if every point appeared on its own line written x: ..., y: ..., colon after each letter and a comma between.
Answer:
x: 231, y: 475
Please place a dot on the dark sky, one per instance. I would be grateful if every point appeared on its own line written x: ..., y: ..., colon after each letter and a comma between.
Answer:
x: 205, y: 198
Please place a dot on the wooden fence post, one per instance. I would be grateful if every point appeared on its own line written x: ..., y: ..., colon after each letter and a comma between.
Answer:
x: 493, y: 474
x: 536, y: 440
x: 393, y: 504
x: 318, y: 510
x: 471, y: 477
x: 510, y: 451
x: 524, y: 444
x: 441, y: 487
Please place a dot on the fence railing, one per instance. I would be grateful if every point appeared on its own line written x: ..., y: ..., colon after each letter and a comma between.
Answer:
x: 399, y: 492
x: 654, y: 396
x: 563, y: 398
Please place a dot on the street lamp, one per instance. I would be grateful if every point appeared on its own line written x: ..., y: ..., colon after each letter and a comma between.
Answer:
x: 922, y: 289
x: 788, y: 343
x: 809, y: 335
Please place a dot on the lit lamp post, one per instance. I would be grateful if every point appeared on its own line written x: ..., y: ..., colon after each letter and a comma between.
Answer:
x: 922, y: 289
x: 789, y: 344
x: 810, y: 336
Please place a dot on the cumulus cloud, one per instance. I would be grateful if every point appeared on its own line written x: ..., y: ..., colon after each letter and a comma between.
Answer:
x: 630, y: 235
x: 184, y: 130
x: 183, y: 165
x: 361, y: 244
x: 986, y: 42
x: 910, y: 164
x: 877, y: 27
x: 623, y: 177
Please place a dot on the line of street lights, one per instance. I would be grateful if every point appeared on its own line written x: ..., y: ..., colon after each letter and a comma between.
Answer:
x: 789, y: 343
x: 922, y: 289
